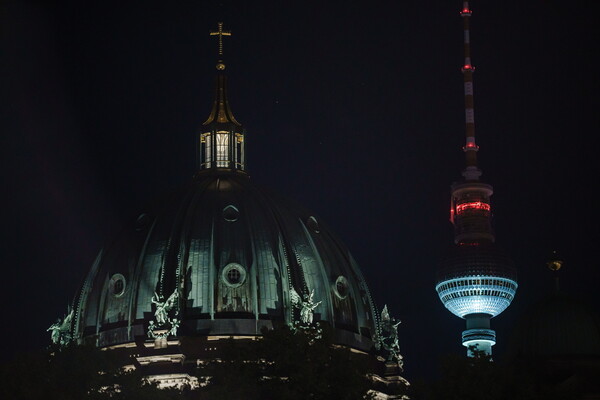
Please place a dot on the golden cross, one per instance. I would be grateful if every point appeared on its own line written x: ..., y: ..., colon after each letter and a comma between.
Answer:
x: 220, y: 33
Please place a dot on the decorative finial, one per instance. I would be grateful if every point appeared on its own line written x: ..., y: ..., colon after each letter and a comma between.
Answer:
x: 220, y: 33
x: 555, y: 262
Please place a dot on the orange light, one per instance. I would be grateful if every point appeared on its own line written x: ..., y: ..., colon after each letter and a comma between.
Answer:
x: 476, y: 205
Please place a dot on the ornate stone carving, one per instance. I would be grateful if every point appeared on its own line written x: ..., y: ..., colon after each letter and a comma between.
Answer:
x: 60, y: 331
x: 306, y: 306
x: 313, y: 331
x: 163, y: 325
x: 388, y: 338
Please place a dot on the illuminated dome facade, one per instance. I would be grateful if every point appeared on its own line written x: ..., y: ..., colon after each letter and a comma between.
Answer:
x: 222, y: 258
x: 233, y: 252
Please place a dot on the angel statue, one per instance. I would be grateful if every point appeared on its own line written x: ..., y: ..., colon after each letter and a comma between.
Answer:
x: 306, y: 307
x: 55, y: 331
x: 389, y: 336
x: 163, y: 307
x: 60, y: 330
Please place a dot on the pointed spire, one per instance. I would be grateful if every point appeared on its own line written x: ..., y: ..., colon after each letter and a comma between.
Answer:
x: 221, y: 142
x: 221, y: 112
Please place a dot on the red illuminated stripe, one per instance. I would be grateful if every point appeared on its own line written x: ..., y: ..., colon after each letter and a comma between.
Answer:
x: 477, y: 205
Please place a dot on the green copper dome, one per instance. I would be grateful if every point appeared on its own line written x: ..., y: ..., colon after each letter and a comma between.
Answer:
x: 231, y: 257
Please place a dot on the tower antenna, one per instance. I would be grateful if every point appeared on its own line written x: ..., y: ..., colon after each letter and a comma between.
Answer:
x: 472, y: 171
x: 476, y: 281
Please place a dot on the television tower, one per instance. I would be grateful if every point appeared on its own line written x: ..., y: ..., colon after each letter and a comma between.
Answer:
x: 476, y: 281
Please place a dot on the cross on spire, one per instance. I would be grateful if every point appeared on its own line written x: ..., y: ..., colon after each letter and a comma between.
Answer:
x: 220, y: 33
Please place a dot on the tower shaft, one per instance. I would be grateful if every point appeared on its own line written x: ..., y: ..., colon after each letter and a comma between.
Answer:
x: 476, y: 281
x: 470, y: 201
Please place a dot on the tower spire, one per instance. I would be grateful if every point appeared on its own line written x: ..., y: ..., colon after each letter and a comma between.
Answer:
x: 221, y: 141
x: 472, y: 171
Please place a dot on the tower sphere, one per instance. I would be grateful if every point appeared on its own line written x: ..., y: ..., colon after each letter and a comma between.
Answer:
x: 476, y: 279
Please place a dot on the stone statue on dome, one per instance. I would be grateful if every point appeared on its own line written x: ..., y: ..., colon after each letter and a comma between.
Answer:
x: 163, y: 325
x: 389, y: 336
x: 60, y: 331
x: 163, y: 307
x: 306, y: 306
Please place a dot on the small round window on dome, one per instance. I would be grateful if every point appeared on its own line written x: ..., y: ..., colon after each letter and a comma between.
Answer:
x: 233, y: 275
x: 341, y: 287
x: 142, y: 222
x: 231, y: 213
x: 313, y: 224
x: 116, y: 285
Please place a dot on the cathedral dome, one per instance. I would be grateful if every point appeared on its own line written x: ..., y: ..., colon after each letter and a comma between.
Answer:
x: 557, y: 326
x: 231, y: 256
x: 221, y: 258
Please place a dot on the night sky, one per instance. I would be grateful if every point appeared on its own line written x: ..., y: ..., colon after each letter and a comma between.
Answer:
x: 355, y: 109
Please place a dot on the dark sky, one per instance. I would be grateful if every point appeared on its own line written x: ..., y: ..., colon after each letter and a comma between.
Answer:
x: 355, y: 109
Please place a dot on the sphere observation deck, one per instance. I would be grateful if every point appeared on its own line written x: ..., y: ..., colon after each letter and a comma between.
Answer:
x: 476, y: 279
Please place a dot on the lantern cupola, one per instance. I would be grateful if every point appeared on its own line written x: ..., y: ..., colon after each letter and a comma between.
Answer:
x: 221, y: 139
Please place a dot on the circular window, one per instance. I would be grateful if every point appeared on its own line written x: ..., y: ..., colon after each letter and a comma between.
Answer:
x: 116, y: 285
x: 141, y: 222
x: 313, y: 224
x: 234, y: 275
x: 231, y: 213
x: 341, y: 287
